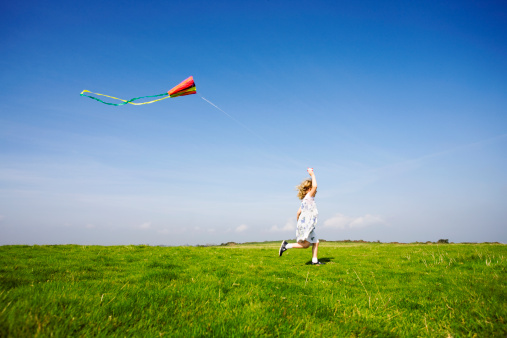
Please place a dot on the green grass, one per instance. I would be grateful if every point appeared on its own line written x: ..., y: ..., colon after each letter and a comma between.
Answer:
x: 371, y: 289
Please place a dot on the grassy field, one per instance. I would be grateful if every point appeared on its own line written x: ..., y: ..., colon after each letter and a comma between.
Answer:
x: 371, y: 289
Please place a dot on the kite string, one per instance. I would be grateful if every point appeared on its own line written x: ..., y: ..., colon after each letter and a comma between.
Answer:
x: 232, y: 118
x: 253, y: 133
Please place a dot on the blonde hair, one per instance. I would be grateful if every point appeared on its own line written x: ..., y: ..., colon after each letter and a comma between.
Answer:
x: 303, y: 188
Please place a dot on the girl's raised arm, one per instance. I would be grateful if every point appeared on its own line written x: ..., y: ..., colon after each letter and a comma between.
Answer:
x: 313, y: 190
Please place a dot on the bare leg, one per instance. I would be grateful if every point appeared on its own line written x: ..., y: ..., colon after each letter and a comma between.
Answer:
x: 301, y: 245
x: 315, y: 249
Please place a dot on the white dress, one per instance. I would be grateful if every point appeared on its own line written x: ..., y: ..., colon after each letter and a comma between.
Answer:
x: 307, y: 220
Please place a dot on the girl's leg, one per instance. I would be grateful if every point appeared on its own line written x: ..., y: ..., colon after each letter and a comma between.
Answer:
x: 315, y: 249
x: 299, y: 245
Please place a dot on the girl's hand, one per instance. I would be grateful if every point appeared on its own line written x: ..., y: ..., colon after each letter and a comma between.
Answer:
x: 310, y: 171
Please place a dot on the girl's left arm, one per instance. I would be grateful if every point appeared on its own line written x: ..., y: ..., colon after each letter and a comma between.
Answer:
x: 313, y: 190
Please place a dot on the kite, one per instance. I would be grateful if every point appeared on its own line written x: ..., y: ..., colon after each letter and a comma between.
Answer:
x: 187, y: 87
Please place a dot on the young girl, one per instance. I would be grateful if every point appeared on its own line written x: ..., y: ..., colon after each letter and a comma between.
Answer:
x: 306, y: 218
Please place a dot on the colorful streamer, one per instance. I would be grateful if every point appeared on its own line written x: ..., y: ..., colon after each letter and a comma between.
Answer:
x: 187, y: 87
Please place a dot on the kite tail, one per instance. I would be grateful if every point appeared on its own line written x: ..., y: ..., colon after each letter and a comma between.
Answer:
x: 124, y: 101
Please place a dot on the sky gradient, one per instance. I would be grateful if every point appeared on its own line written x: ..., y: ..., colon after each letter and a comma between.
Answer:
x: 401, y: 109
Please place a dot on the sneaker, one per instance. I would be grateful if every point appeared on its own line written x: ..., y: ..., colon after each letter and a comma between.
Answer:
x: 318, y: 263
x: 282, y: 248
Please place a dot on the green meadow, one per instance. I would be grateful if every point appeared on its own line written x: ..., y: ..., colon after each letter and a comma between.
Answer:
x: 364, y: 289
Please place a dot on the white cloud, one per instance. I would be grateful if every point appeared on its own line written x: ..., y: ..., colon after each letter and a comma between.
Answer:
x: 366, y: 220
x: 241, y: 228
x: 340, y: 221
x: 90, y: 226
x: 164, y: 231
x: 145, y: 226
x: 290, y: 225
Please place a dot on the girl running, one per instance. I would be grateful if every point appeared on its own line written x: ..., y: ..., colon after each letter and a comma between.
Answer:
x: 306, y: 219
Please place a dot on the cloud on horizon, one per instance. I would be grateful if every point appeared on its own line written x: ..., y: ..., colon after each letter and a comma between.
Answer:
x: 145, y: 226
x: 290, y: 225
x: 241, y: 228
x: 340, y: 221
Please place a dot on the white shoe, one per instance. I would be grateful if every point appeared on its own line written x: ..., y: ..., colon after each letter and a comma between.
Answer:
x: 282, y: 248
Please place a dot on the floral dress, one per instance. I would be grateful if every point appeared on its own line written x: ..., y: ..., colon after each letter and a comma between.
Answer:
x: 307, y: 220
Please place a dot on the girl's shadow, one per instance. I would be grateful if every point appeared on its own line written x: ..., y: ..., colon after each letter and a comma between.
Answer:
x: 324, y: 260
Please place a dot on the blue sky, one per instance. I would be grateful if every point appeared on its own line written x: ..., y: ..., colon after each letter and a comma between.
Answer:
x: 400, y: 107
